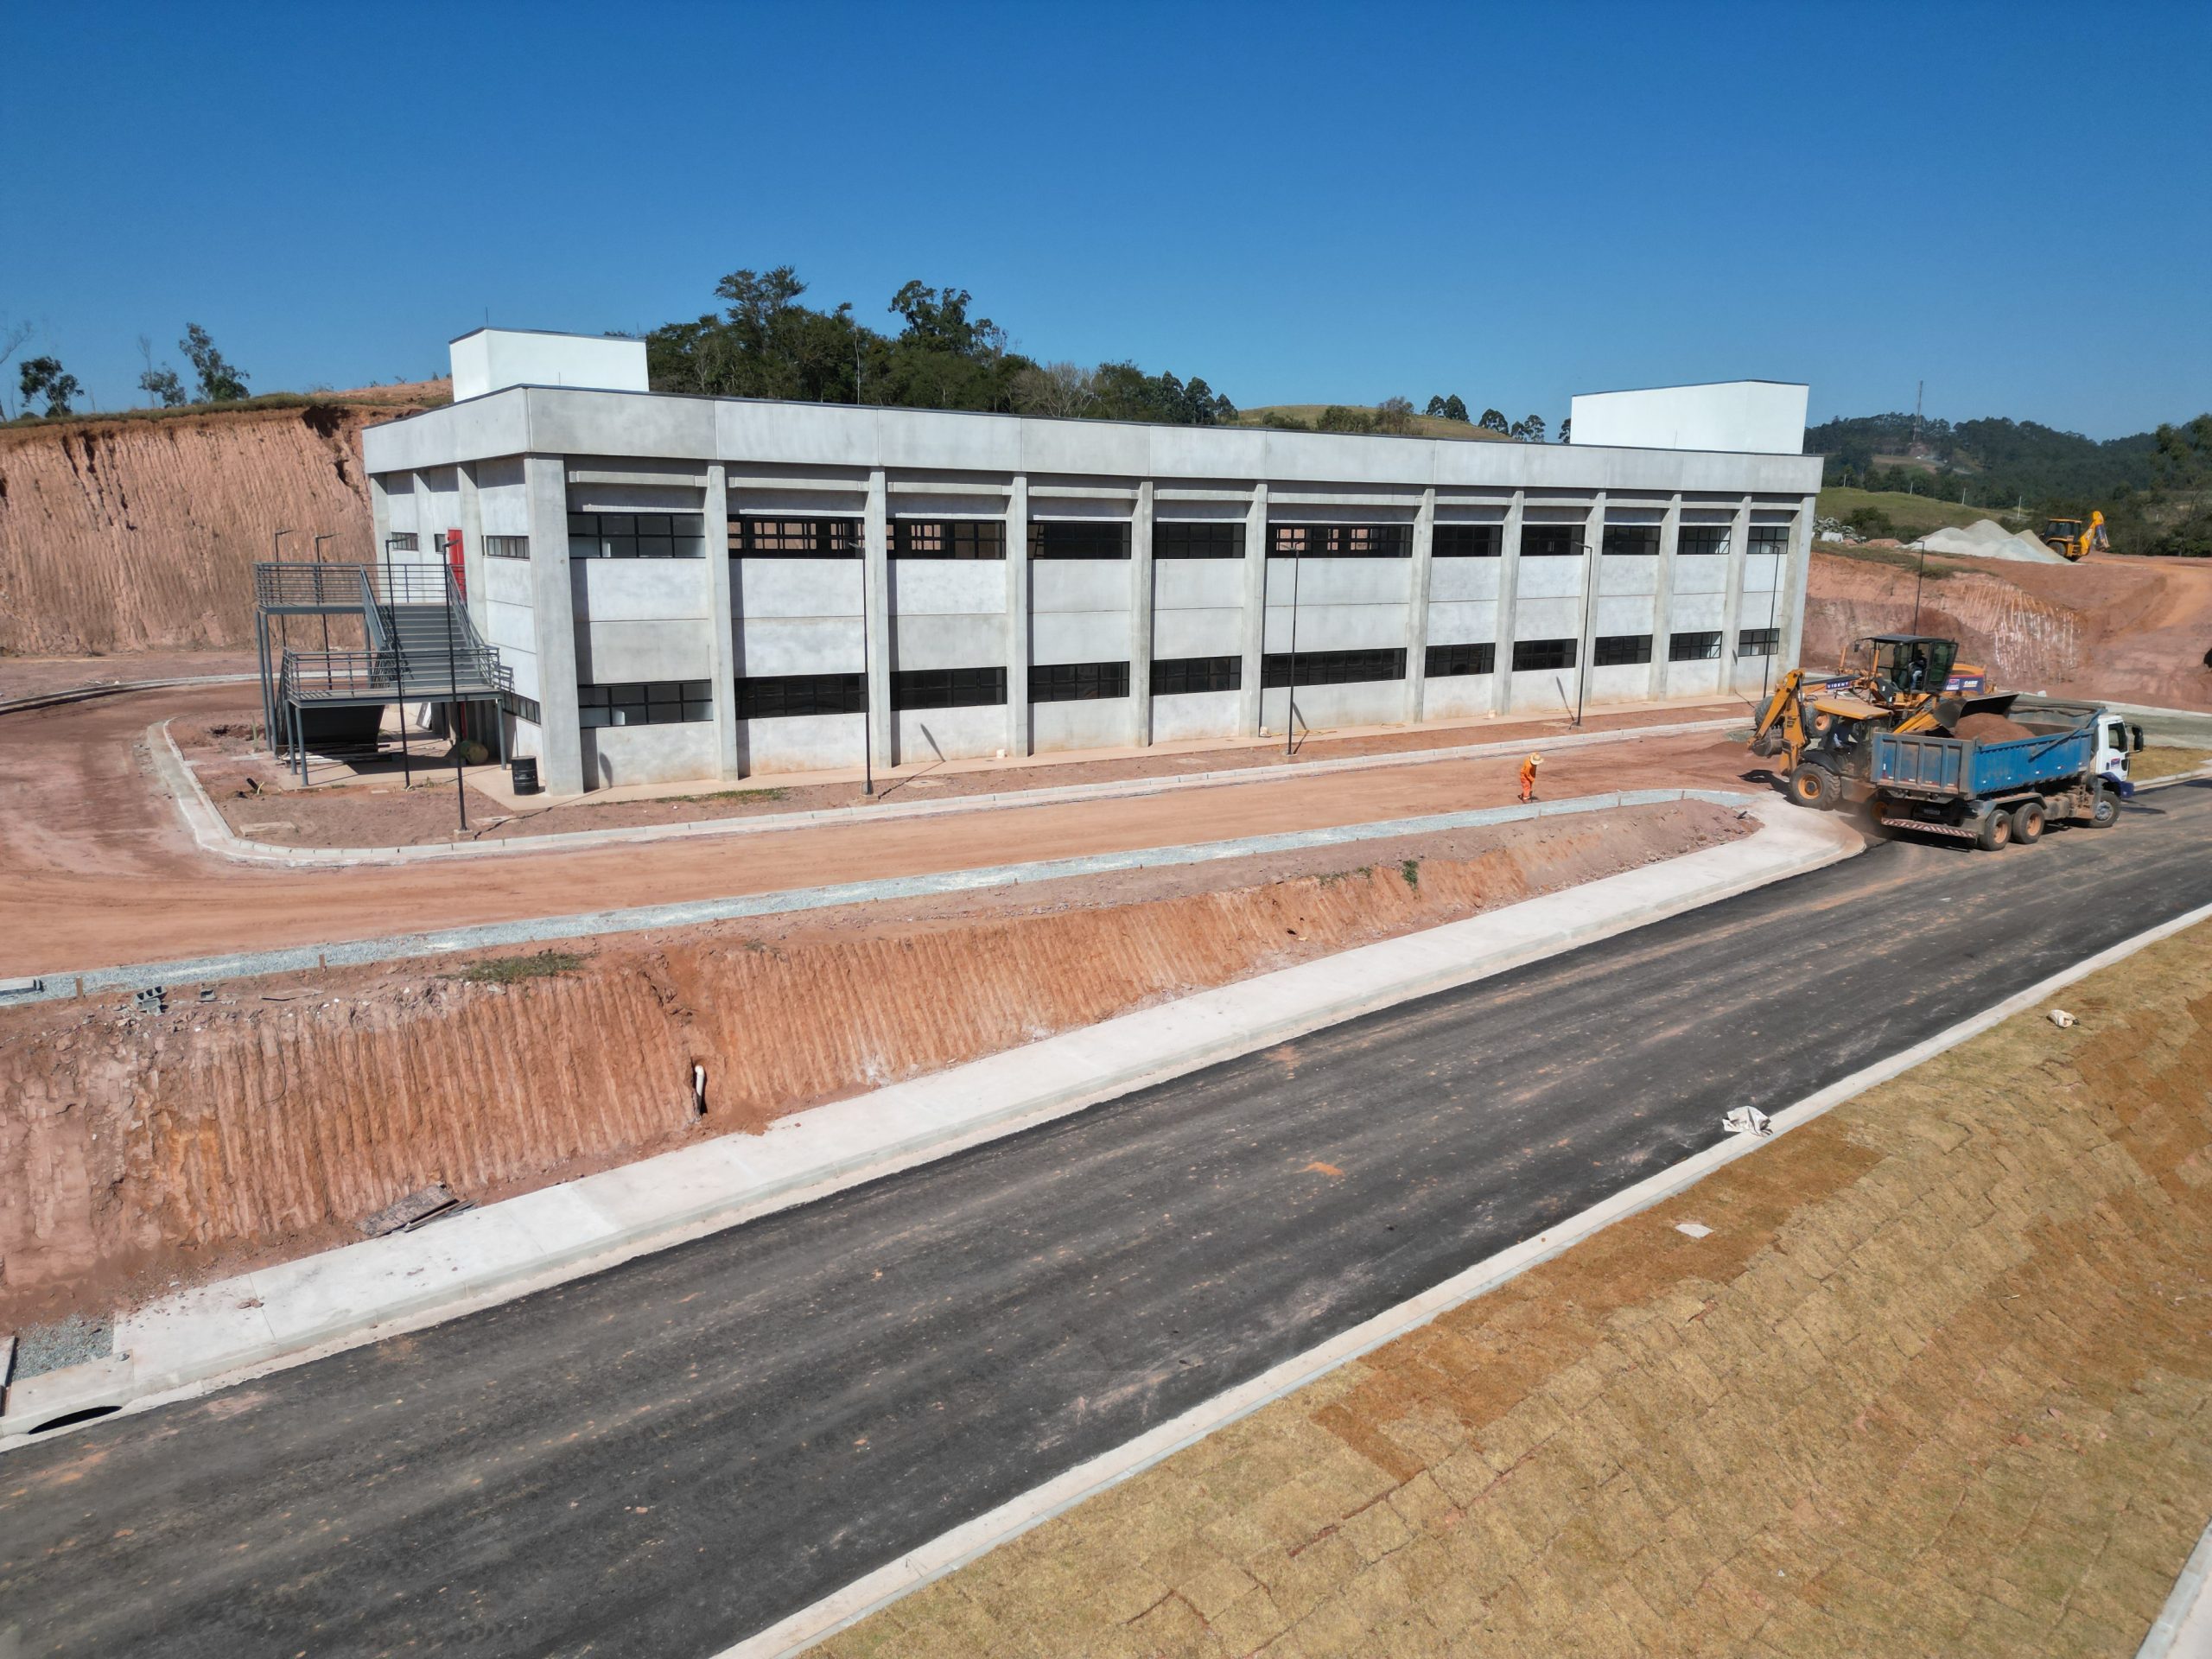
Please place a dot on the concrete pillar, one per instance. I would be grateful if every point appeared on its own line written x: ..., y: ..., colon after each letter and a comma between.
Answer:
x: 471, y: 546
x: 1662, y: 594
x: 1417, y: 605
x: 1792, y: 588
x: 1509, y: 592
x: 721, y: 586
x: 1732, y: 603
x: 1019, y: 739
x: 1256, y: 610
x: 1141, y: 618
x: 379, y: 515
x: 553, y: 621
x: 1592, y: 567
x: 875, y: 617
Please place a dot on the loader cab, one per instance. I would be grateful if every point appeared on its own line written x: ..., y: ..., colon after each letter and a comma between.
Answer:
x: 2063, y: 529
x: 1912, y: 662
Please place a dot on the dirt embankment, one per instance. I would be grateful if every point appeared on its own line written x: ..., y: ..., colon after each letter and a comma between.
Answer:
x: 136, y: 535
x: 267, y: 1121
x: 2134, y: 630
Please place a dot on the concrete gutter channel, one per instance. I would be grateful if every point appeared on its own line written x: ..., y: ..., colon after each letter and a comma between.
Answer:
x: 213, y: 834
x: 116, y: 688
x: 204, y: 970
x: 296, y: 1311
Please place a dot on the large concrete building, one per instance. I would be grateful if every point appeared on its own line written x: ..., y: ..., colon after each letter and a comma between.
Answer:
x: 698, y: 588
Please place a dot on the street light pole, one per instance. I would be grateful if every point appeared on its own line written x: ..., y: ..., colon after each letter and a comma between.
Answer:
x: 1581, y: 667
x: 398, y: 672
x: 452, y: 708
x: 1290, y: 714
x: 319, y: 539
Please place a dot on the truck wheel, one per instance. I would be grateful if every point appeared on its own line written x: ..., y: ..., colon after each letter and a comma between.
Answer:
x: 2028, y: 820
x: 1815, y: 787
x: 1996, y: 831
x: 2104, y: 808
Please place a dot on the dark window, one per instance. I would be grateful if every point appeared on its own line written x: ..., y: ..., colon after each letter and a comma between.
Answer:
x: 1333, y: 667
x: 1542, y: 653
x: 774, y: 697
x: 947, y: 687
x: 1758, y: 642
x: 646, y: 702
x: 796, y: 538
x: 637, y: 536
x: 1224, y: 540
x: 506, y: 547
x: 522, y: 707
x: 952, y: 539
x: 400, y: 542
x: 1618, y: 650
x: 1703, y: 538
x: 1444, y: 661
x: 1172, y: 675
x: 1768, y: 538
x: 1340, y: 541
x: 1632, y: 538
x: 1702, y: 647
x: 1073, y: 539
x: 1468, y: 540
x: 1077, y: 681
x: 1551, y: 541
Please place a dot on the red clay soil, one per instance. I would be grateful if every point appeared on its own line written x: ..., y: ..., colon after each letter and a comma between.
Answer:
x: 264, y: 1123
x: 2133, y: 630
x: 133, y: 535
x: 37, y: 676
x: 96, y: 868
x: 259, y: 800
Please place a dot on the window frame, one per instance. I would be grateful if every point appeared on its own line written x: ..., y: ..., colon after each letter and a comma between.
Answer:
x: 823, y: 694
x: 1695, y: 645
x: 1078, y: 682
x: 693, y: 700
x: 1627, y: 650
x: 825, y: 536
x: 921, y: 689
x: 635, y: 530
x: 1073, y: 532
x: 1492, y: 534
x: 1571, y: 535
x: 1718, y: 534
x: 959, y: 540
x: 1482, y: 654
x: 1646, y: 535
x: 506, y: 547
x: 1758, y: 642
x: 1280, y: 669
x: 1567, y: 652
x: 1166, y: 533
x: 1294, y: 539
x: 1230, y: 669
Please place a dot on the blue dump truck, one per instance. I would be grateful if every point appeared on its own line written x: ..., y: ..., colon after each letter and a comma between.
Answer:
x: 2071, y: 767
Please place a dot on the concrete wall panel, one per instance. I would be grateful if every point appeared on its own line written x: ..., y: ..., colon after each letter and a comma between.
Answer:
x: 1082, y: 636
x: 799, y: 586
x: 1337, y: 627
x: 951, y: 733
x: 1464, y: 579
x: 948, y: 588
x: 1189, y: 715
x: 1548, y: 578
x: 799, y: 645
x: 1700, y: 572
x: 649, y: 754
x: 808, y: 743
x: 948, y: 641
x: 610, y: 653
x: 1457, y: 696
x: 1627, y: 613
x: 1101, y: 724
x: 1693, y: 613
x: 1197, y: 585
x: 1628, y: 573
x: 1079, y: 584
x: 1197, y: 634
x: 641, y: 590
x: 1373, y: 702
x: 1547, y: 619
x: 1462, y: 624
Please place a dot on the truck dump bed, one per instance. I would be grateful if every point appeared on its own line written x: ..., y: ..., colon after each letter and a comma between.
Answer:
x: 1923, y: 763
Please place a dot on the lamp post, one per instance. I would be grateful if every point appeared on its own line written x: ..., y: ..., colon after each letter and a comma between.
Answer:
x: 398, y: 672
x: 1290, y: 693
x: 1581, y: 667
x: 453, y: 710
x: 320, y: 537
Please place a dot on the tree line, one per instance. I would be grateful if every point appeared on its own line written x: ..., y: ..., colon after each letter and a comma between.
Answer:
x: 44, y: 380
x: 766, y: 343
x: 2155, y: 488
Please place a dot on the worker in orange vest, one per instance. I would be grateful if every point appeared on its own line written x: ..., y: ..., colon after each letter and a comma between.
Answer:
x: 1529, y: 777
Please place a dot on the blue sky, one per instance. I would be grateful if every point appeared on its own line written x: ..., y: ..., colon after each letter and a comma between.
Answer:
x: 1300, y: 203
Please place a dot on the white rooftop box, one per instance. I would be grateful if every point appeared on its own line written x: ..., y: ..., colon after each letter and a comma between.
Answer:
x: 490, y: 358
x: 1760, y: 417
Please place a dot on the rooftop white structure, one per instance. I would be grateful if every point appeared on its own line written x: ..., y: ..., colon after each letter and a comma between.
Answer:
x: 491, y: 360
x: 1764, y: 418
x: 704, y: 588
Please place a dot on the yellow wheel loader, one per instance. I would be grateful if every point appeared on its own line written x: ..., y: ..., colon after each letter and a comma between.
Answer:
x: 2075, y: 539
x: 1820, y: 729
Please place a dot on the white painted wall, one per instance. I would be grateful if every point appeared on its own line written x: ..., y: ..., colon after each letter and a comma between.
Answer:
x: 491, y: 360
x: 649, y: 754
x: 1744, y: 416
x: 1189, y: 715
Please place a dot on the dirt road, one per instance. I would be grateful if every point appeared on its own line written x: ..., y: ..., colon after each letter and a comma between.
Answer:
x: 96, y: 868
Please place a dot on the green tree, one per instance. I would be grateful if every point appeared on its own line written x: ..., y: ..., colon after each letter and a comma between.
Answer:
x: 44, y: 377
x: 1491, y: 421
x: 1338, y: 418
x: 1394, y: 415
x: 218, y: 382
x: 1530, y: 429
x: 1567, y: 430
x: 1454, y: 409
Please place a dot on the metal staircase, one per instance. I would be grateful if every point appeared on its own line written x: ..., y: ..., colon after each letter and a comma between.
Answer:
x: 420, y: 645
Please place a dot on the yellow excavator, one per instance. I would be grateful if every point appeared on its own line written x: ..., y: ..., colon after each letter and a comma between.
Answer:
x: 1818, y: 727
x: 2076, y: 540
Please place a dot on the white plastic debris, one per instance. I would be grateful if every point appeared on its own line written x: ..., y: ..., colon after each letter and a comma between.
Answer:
x: 2059, y: 1018
x: 1695, y: 1228
x: 1747, y: 1120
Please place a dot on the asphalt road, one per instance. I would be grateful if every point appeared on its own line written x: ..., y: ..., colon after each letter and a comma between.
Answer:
x: 672, y: 1454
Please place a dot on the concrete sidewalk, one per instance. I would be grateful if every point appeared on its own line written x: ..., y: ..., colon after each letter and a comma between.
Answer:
x: 301, y: 1309
x: 212, y: 833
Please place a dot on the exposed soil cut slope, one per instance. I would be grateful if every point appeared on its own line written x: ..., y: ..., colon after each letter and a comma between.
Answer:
x: 132, y: 535
x: 267, y: 1121
x: 2136, y: 630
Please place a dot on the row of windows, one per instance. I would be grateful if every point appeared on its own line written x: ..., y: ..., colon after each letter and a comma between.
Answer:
x: 785, y: 696
x: 985, y: 538
x: 637, y: 536
x: 649, y: 703
x: 506, y: 547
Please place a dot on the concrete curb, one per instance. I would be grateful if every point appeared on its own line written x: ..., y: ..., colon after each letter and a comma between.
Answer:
x: 87, y: 693
x: 2183, y: 1628
x: 50, y: 986
x: 363, y: 1293
x: 966, y: 1543
x: 213, y: 834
